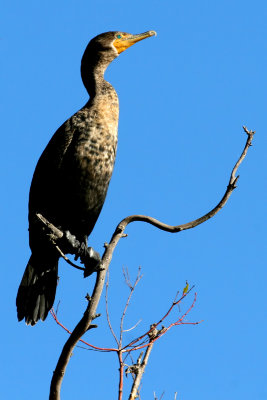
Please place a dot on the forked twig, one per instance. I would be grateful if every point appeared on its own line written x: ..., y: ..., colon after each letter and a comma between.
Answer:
x: 132, y: 288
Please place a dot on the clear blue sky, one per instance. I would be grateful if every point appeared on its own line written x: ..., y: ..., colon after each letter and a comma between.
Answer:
x: 184, y: 97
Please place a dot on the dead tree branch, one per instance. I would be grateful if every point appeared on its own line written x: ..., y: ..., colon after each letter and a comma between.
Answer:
x: 189, y: 225
x: 85, y: 322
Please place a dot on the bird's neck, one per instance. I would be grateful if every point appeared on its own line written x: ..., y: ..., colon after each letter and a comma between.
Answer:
x: 93, y: 75
x: 95, y: 82
x: 103, y: 97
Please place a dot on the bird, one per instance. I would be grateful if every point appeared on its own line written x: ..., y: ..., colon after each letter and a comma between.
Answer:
x: 72, y: 176
x: 185, y: 290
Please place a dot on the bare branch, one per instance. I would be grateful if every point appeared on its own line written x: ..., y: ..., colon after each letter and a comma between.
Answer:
x: 189, y: 225
x: 80, y: 329
x: 84, y: 324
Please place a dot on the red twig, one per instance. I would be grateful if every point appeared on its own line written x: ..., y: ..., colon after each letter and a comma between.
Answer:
x: 162, y: 331
x: 81, y: 340
x: 132, y: 346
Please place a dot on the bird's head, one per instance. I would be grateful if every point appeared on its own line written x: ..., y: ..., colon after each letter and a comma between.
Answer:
x: 116, y: 42
x: 102, y: 50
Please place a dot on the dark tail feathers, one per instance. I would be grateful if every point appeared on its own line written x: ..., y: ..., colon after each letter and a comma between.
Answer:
x: 37, y: 289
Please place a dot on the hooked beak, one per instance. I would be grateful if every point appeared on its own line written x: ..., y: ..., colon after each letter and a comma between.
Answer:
x: 128, y: 40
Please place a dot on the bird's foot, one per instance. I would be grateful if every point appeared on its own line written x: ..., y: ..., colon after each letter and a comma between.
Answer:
x: 88, y: 256
x: 70, y: 243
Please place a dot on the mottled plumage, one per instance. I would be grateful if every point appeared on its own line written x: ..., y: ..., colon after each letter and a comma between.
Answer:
x: 71, y: 178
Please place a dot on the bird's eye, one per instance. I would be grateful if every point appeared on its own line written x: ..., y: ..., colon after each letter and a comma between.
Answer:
x: 118, y: 36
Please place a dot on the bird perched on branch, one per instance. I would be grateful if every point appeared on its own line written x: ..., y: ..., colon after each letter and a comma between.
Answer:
x: 71, y: 178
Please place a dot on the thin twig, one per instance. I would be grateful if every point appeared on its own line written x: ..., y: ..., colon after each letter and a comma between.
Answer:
x: 132, y: 288
x: 133, y: 327
x: 127, y: 277
x: 68, y: 260
x: 107, y: 313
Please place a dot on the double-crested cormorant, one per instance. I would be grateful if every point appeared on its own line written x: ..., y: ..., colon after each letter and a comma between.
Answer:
x: 71, y: 178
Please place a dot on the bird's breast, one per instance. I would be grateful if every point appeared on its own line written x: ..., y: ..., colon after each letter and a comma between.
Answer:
x: 97, y: 136
x: 93, y: 151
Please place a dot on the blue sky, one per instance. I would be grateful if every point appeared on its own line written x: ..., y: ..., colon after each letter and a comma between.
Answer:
x: 184, y: 97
